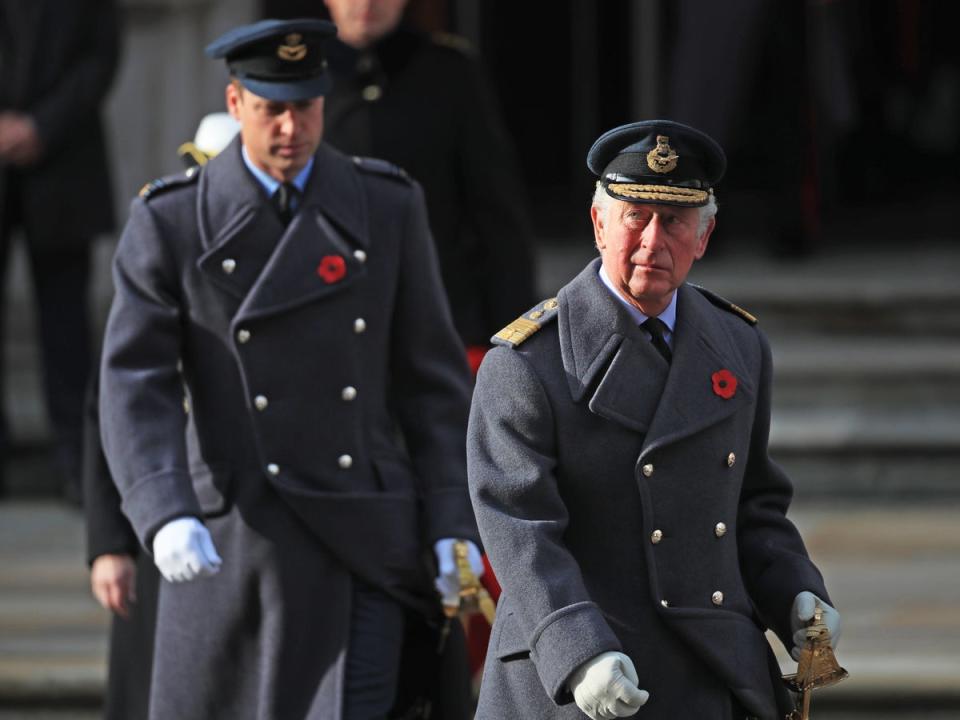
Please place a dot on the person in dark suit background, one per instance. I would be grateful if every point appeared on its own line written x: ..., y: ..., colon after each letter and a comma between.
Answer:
x: 422, y: 102
x: 619, y: 469
x: 301, y: 500
x: 758, y: 86
x: 57, y: 61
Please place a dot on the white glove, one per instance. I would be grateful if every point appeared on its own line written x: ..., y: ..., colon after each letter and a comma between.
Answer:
x: 183, y: 550
x: 802, y: 612
x: 606, y: 687
x: 448, y: 579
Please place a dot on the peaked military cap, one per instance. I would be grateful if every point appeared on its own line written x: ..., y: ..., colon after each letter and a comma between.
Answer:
x: 280, y: 60
x: 657, y: 161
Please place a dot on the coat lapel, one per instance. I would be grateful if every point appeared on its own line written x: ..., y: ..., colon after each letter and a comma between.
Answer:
x: 701, y: 348
x: 598, y: 339
x: 250, y: 255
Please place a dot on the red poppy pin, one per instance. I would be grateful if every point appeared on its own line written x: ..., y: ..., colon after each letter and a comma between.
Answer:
x: 724, y: 383
x: 331, y: 268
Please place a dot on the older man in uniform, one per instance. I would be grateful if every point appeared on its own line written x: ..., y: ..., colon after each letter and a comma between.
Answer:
x: 618, y: 465
x: 283, y: 406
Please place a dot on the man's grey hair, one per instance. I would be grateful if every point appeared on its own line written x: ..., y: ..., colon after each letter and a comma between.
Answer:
x: 602, y: 201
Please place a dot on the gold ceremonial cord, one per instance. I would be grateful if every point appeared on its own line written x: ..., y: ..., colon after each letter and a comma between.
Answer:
x: 473, y: 596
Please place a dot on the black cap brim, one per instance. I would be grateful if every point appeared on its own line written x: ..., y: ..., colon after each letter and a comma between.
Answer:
x: 288, y: 91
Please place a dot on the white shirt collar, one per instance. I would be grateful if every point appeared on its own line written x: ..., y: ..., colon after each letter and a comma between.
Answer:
x: 668, y: 316
x: 271, y: 184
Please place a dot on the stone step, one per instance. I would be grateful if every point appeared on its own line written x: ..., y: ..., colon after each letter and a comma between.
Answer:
x: 912, y: 292
x: 52, y: 632
x: 858, y: 453
x: 883, y: 375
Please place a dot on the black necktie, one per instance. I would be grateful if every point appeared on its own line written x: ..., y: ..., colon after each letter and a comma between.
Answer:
x: 656, y: 328
x: 283, y: 200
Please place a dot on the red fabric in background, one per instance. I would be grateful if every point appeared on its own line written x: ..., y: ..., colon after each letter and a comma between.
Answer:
x: 478, y: 631
x: 475, y: 355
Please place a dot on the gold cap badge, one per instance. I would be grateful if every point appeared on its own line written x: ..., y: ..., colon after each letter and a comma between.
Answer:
x: 293, y: 49
x: 663, y: 158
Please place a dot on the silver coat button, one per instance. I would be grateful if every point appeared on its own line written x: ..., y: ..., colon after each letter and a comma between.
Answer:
x: 731, y: 459
x: 665, y: 603
x: 260, y: 402
x: 360, y: 255
x: 243, y: 335
x: 359, y: 325
x: 656, y: 536
x: 647, y: 470
x: 345, y: 462
x: 720, y: 529
x: 717, y: 598
x: 371, y: 93
x: 229, y: 265
x: 348, y: 393
x: 273, y: 469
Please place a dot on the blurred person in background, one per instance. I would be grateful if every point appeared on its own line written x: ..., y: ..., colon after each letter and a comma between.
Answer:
x: 758, y: 85
x: 422, y: 102
x: 57, y: 61
x: 123, y: 578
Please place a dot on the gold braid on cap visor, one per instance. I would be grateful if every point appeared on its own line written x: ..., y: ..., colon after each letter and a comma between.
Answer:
x: 661, y: 193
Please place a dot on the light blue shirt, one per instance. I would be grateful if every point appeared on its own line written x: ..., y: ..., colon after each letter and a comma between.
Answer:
x: 668, y: 316
x: 270, y: 184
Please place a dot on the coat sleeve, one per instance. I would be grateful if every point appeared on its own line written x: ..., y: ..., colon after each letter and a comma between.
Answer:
x: 511, y: 457
x: 82, y: 85
x: 141, y: 401
x: 430, y: 382
x: 108, y: 530
x: 773, y: 559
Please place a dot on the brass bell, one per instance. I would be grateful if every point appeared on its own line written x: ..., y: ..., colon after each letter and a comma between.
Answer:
x: 817, y: 667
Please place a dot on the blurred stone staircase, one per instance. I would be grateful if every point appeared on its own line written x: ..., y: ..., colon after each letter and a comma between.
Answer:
x: 53, y: 641
x: 867, y: 367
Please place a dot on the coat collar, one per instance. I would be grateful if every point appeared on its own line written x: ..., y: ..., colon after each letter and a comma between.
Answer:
x: 702, y: 346
x: 274, y: 268
x: 602, y: 348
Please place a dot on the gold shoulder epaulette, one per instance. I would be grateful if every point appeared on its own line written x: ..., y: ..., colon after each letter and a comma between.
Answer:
x: 191, y: 153
x: 527, y: 324
x: 161, y: 185
x: 452, y: 41
x: 381, y: 167
x: 726, y: 304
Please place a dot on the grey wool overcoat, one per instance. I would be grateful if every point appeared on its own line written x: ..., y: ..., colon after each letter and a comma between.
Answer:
x: 627, y: 504
x: 303, y: 391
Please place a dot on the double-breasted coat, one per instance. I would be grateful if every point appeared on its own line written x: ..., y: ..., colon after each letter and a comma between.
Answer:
x: 326, y: 396
x: 630, y: 504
